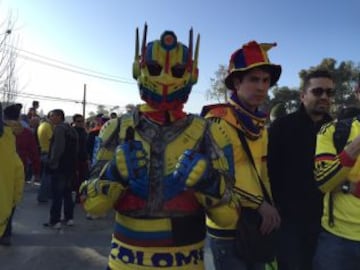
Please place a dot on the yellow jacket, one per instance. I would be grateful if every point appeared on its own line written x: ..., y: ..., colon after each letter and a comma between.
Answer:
x: 246, y: 181
x: 331, y: 169
x: 11, y: 177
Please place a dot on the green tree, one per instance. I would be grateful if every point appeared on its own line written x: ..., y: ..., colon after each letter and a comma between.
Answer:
x: 287, y: 96
x: 102, y: 109
x: 218, y: 90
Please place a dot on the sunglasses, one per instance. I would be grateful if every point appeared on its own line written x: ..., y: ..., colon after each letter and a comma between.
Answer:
x: 318, y: 92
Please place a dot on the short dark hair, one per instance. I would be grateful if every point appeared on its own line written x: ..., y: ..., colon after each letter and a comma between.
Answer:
x: 59, y: 112
x: 316, y: 73
x: 75, y: 116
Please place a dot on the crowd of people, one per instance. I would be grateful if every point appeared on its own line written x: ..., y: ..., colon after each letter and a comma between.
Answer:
x: 175, y: 179
x: 55, y: 156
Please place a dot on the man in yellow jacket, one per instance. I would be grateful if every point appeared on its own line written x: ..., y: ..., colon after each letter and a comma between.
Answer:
x: 250, y: 77
x: 337, y: 172
x: 11, y: 181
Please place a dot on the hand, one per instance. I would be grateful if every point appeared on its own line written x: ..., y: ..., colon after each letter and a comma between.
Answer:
x: 270, y: 218
x: 131, y: 163
x: 192, y: 167
x: 353, y: 149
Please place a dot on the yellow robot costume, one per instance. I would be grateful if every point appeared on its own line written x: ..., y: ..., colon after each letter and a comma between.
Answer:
x: 164, y: 174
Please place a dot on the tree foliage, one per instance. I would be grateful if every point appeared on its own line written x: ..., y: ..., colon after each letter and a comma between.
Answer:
x: 346, y: 75
x: 218, y: 90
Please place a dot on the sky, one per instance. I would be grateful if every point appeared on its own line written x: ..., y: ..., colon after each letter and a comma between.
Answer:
x: 98, y: 38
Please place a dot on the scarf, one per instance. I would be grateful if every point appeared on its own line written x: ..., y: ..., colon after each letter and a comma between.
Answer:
x: 162, y: 117
x: 251, y: 123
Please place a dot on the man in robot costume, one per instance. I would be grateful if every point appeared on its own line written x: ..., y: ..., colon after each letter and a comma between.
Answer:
x: 160, y: 168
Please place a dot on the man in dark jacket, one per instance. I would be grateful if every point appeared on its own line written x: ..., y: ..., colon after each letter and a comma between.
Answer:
x: 82, y: 162
x: 61, y: 165
x: 292, y: 141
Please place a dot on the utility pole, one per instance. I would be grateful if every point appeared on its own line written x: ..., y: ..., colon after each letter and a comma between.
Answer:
x: 84, y: 101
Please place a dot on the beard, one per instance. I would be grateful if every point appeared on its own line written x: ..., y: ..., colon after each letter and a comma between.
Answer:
x: 320, y: 109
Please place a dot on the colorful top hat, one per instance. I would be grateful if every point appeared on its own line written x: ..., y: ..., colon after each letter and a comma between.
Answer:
x: 251, y: 55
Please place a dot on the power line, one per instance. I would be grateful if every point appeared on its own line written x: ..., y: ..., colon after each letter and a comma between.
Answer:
x: 68, y: 64
x: 73, y: 70
x: 53, y: 98
x: 69, y: 67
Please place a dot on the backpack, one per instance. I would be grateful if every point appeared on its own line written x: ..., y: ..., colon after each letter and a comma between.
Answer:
x: 69, y: 157
x: 340, y: 138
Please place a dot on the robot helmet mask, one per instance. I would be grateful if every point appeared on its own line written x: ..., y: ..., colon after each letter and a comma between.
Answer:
x: 165, y: 70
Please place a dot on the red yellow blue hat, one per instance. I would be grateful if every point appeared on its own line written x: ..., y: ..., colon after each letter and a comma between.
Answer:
x: 251, y: 55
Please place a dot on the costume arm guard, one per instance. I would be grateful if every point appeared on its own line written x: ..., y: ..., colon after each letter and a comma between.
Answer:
x: 104, y: 187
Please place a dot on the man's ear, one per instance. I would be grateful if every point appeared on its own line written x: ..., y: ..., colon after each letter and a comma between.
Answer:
x: 301, y: 95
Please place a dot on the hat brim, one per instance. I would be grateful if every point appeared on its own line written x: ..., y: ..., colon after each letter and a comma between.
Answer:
x: 275, y: 72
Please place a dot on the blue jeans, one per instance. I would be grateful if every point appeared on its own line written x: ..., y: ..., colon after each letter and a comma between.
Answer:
x: 297, y: 245
x: 61, y: 191
x: 336, y: 253
x: 44, y: 192
x: 225, y: 258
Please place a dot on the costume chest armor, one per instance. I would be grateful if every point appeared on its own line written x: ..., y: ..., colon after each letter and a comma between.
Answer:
x: 163, y: 146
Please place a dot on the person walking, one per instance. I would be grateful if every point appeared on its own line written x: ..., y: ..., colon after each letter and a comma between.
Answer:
x: 292, y: 141
x: 250, y: 77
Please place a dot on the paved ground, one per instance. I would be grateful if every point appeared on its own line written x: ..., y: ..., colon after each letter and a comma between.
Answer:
x: 37, y: 248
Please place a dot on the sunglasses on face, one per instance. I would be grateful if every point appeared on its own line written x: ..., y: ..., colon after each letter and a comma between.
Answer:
x: 319, y: 91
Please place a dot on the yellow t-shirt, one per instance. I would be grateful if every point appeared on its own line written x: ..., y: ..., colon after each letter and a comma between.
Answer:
x: 44, y: 133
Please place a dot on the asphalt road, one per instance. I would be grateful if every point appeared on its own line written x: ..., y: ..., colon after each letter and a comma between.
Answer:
x: 34, y: 247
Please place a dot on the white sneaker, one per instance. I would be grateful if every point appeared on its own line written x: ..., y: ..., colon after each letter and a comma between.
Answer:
x: 56, y: 226
x: 70, y: 222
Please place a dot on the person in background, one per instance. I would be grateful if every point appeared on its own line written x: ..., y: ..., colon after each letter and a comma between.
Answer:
x: 292, y: 141
x: 12, y: 181
x: 92, y: 135
x: 44, y: 134
x: 26, y: 146
x: 63, y: 153
x: 250, y: 77
x: 113, y: 115
x: 337, y: 174
x: 164, y: 173
x: 129, y: 108
x: 82, y: 162
x: 33, y: 110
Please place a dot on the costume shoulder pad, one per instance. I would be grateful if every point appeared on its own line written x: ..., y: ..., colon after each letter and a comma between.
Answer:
x: 215, y: 110
x: 109, y: 130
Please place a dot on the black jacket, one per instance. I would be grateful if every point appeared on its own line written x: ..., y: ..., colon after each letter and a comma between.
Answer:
x: 291, y: 150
